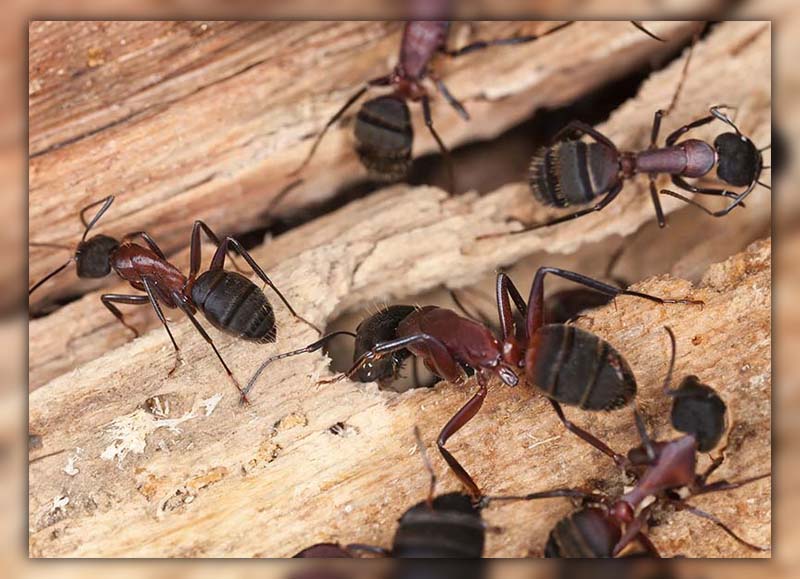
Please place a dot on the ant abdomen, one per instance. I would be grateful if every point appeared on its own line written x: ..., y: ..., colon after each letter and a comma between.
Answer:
x: 94, y: 256
x: 385, y: 136
x: 698, y: 410
x: 577, y: 368
x: 234, y: 305
x: 452, y: 528
x: 739, y: 161
x: 572, y: 173
x: 586, y: 533
x: 381, y: 327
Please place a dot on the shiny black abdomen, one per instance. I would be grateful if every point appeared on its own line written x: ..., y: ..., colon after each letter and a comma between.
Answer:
x: 384, y: 136
x: 235, y: 305
x: 573, y: 173
x: 578, y: 368
x: 381, y: 327
x: 587, y: 533
x: 453, y: 528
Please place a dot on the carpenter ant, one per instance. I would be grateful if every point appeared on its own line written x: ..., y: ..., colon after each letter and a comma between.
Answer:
x: 573, y: 172
x: 605, y: 526
x: 383, y: 129
x: 444, y: 526
x: 230, y: 301
x: 569, y: 365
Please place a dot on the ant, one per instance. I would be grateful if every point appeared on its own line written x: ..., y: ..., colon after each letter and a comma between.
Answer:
x: 444, y: 526
x: 573, y: 172
x: 605, y: 526
x: 383, y: 130
x: 567, y: 364
x: 229, y: 300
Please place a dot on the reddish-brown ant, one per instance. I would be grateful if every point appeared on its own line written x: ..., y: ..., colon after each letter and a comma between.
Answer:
x: 569, y: 365
x: 230, y: 301
x: 444, y: 526
x: 573, y: 172
x: 383, y: 129
x: 605, y: 526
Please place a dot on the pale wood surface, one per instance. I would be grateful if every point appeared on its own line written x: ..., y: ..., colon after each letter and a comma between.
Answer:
x: 236, y: 482
x: 427, y: 229
x: 269, y: 479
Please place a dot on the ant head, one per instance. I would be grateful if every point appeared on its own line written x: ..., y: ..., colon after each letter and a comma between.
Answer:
x: 384, y: 134
x: 738, y: 159
x: 92, y: 256
x: 698, y: 410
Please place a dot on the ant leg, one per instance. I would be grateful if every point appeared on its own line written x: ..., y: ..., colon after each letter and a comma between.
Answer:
x: 52, y: 274
x: 504, y: 288
x: 207, y: 338
x: 110, y: 299
x: 459, y: 419
x: 380, y: 81
x: 609, y: 197
x: 426, y: 113
x: 683, y: 506
x: 313, y: 347
x: 196, y: 248
x: 426, y: 461
x: 662, y: 222
x: 619, y: 459
x: 149, y: 240
x: 721, y: 213
x: 551, y: 494
x: 648, y: 545
x: 106, y: 202
x: 632, y: 530
x: 638, y: 24
x: 478, y: 317
x: 724, y: 485
x: 679, y: 181
x: 154, y: 302
x: 218, y: 262
x: 536, y: 298
x: 281, y: 195
x: 451, y: 100
x: 647, y: 442
x: 579, y: 127
x: 675, y: 135
x: 481, y: 44
x: 442, y: 362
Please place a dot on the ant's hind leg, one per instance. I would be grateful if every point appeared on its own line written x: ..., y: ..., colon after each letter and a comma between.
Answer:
x: 110, y: 299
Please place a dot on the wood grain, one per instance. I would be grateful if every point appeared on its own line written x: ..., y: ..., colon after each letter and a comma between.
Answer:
x: 221, y: 480
x: 398, y: 239
x: 188, y: 119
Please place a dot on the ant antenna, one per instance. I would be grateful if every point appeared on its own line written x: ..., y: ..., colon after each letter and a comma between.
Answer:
x: 53, y: 273
x: 310, y: 348
x: 715, y: 110
x: 426, y: 461
x: 668, y: 378
x: 106, y: 202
